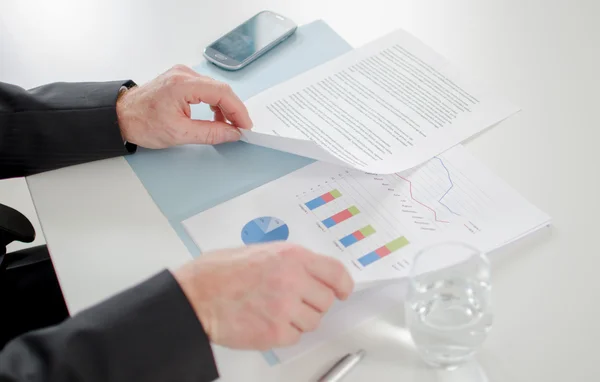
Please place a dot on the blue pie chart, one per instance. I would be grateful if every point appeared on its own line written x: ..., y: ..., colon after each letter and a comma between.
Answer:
x: 265, y: 230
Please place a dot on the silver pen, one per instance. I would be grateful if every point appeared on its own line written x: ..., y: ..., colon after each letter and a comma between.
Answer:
x: 342, y: 367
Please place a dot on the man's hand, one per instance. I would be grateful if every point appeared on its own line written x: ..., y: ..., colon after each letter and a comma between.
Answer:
x: 157, y: 115
x: 262, y: 296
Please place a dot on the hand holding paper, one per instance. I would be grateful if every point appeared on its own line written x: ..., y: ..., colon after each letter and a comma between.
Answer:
x: 263, y: 295
x: 158, y: 113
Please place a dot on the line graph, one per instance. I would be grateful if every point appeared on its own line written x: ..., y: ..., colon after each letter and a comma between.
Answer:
x: 410, y: 188
x: 436, y: 196
x: 449, y: 189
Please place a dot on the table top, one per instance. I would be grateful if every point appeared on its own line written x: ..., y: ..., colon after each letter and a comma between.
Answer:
x: 542, y: 55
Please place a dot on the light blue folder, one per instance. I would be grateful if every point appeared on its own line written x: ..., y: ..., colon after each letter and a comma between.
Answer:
x: 186, y: 180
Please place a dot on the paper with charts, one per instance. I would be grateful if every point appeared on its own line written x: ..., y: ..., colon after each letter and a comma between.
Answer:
x: 373, y: 223
x: 383, y: 108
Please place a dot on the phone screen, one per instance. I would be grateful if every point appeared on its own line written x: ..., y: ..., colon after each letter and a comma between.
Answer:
x: 250, y: 37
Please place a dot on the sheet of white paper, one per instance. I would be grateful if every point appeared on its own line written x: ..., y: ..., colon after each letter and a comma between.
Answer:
x: 451, y: 197
x: 373, y: 223
x: 383, y: 108
x: 296, y: 146
x: 343, y: 316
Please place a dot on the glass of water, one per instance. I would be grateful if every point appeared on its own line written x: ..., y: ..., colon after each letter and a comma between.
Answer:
x: 448, y: 307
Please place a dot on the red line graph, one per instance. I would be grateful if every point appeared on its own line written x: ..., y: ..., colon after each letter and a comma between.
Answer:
x: 426, y: 206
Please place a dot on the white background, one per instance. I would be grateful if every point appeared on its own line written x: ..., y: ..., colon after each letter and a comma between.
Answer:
x: 542, y: 55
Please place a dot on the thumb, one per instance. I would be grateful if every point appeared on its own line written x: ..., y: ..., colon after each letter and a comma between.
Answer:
x: 209, y: 132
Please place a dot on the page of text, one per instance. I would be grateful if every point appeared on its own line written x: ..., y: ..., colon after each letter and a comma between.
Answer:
x: 388, y: 103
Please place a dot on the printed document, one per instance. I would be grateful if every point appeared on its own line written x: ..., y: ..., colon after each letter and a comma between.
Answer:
x: 373, y: 223
x: 383, y: 108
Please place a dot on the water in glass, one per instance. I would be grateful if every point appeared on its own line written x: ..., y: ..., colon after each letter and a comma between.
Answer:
x: 448, y: 307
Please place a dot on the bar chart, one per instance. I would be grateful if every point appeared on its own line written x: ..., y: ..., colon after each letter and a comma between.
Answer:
x: 357, y: 236
x: 383, y: 251
x: 373, y: 223
x: 356, y: 219
x: 323, y: 199
x: 340, y: 216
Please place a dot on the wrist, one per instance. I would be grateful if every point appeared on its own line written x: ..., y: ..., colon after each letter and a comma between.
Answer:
x: 186, y: 278
x: 124, y: 111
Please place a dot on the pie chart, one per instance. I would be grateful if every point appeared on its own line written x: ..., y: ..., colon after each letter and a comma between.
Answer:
x: 265, y: 230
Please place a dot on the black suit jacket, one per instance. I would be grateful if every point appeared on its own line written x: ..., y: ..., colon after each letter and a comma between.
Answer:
x: 147, y: 333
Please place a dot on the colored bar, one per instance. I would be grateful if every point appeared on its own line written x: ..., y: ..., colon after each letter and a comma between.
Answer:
x: 348, y: 240
x: 327, y: 197
x: 329, y: 222
x: 367, y: 231
x: 382, y: 252
x: 323, y: 199
x: 315, y: 203
x: 340, y: 217
x: 397, y: 244
x: 357, y: 236
x: 368, y: 259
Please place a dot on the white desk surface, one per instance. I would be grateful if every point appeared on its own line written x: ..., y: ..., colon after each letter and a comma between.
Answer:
x: 105, y: 233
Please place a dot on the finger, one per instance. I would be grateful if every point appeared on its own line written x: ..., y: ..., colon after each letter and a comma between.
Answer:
x: 290, y: 336
x: 207, y: 132
x: 186, y: 69
x: 218, y: 93
x: 219, y: 117
x: 318, y: 295
x: 332, y: 273
x: 306, y: 318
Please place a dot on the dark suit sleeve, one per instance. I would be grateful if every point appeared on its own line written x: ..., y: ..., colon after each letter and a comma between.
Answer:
x: 148, y: 333
x: 58, y: 125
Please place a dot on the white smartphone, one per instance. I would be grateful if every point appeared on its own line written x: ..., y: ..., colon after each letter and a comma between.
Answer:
x: 250, y: 40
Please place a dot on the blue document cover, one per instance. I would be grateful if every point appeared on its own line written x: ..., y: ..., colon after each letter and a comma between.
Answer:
x: 186, y: 180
